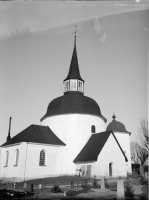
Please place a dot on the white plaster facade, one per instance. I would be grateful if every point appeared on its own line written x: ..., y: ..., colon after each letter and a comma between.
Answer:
x: 110, y: 154
x: 124, y: 141
x: 28, y: 162
x: 74, y: 130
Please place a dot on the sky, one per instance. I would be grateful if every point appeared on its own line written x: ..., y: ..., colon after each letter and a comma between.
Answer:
x: 36, y: 45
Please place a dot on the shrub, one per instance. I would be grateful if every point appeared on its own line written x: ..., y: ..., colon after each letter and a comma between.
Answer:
x: 128, y: 188
x: 95, y: 182
x: 86, y: 186
x: 145, y: 168
x: 73, y: 193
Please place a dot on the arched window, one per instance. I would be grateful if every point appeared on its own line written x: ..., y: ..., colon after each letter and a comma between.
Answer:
x: 6, y: 159
x: 16, y: 157
x: 111, y: 167
x: 42, y: 158
x: 93, y: 129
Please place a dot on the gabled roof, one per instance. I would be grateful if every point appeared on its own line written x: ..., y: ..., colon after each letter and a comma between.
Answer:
x: 74, y: 72
x: 94, y: 146
x: 35, y: 134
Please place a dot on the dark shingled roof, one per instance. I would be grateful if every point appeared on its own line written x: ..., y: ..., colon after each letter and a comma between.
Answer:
x: 116, y: 126
x: 36, y: 134
x: 73, y: 102
x: 74, y: 72
x: 94, y: 146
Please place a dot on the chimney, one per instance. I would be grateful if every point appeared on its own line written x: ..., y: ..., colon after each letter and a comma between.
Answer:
x: 9, y: 137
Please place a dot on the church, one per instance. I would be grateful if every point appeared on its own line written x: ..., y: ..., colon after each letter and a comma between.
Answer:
x: 73, y: 139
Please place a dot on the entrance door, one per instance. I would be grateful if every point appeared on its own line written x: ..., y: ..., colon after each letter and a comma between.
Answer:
x: 88, y: 171
x: 110, y: 169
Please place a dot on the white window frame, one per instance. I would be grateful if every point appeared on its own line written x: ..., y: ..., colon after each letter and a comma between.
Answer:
x: 72, y: 83
x: 6, y: 159
x: 80, y: 88
x: 16, y: 158
x: 66, y: 84
x: 40, y: 161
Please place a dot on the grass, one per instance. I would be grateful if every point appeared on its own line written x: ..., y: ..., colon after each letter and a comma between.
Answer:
x: 63, y: 180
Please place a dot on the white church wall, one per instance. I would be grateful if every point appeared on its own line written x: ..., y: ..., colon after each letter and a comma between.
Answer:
x: 74, y: 130
x: 53, y: 162
x: 124, y: 140
x: 11, y: 172
x: 28, y: 162
x: 81, y: 168
x: 0, y: 163
x: 110, y: 153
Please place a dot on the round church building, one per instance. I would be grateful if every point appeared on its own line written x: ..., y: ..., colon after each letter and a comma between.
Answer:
x: 73, y: 117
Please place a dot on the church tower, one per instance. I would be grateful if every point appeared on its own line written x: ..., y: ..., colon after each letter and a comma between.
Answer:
x: 72, y: 115
x: 74, y: 82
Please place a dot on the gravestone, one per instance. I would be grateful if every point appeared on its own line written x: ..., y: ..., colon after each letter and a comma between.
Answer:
x: 72, y: 185
x: 25, y: 185
x: 120, y: 189
x: 31, y: 188
x: 40, y: 186
x: 102, y: 182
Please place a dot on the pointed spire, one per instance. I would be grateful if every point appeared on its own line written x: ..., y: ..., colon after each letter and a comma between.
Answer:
x: 9, y: 137
x: 113, y: 116
x: 74, y: 72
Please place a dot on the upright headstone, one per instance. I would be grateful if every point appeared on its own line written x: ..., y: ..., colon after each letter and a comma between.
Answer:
x: 102, y: 182
x: 25, y: 185
x: 120, y: 189
x: 40, y: 186
x: 31, y: 188
x: 72, y: 185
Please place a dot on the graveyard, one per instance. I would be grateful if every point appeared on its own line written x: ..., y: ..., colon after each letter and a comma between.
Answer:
x: 74, y: 187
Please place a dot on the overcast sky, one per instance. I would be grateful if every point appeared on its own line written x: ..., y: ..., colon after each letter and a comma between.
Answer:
x: 112, y: 48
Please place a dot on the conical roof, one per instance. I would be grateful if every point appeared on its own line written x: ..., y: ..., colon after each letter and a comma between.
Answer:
x: 116, y: 126
x: 74, y: 72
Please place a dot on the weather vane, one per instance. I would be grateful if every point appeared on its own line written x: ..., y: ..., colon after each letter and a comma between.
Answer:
x: 75, y: 31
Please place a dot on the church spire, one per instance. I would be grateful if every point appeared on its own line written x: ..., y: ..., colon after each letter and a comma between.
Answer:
x: 74, y: 82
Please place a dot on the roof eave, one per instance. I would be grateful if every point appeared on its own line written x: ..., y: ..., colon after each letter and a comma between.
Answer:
x: 84, y: 161
x: 68, y: 78
x: 126, y: 160
x: 125, y: 132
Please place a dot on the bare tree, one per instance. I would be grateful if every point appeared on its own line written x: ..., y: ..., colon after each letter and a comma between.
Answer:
x: 134, y: 156
x: 138, y: 155
x: 140, y: 148
x: 143, y: 139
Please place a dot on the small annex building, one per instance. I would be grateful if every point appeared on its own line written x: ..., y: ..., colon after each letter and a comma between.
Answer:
x: 123, y: 137
x: 28, y: 154
x: 97, y: 158
x: 73, y: 137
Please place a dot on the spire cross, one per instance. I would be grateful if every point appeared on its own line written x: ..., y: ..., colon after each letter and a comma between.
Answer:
x: 75, y: 31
